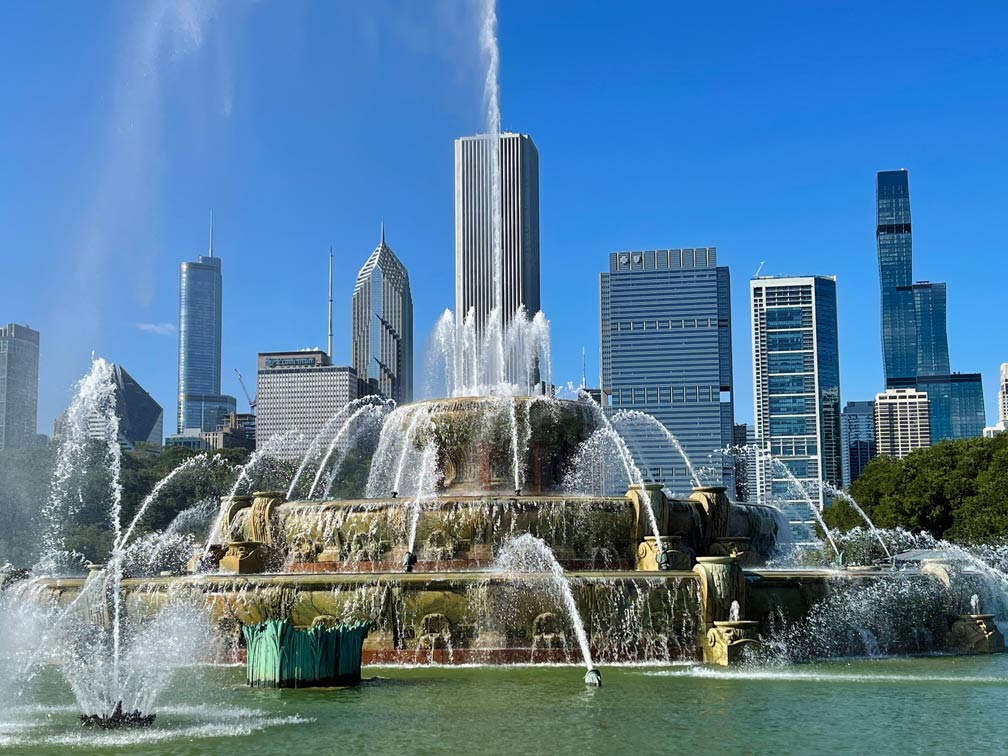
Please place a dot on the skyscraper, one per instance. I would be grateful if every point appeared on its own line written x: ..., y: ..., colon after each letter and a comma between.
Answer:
x: 901, y: 422
x: 296, y: 394
x: 19, y: 360
x: 857, y: 434
x: 200, y: 403
x: 518, y: 159
x: 796, y: 378
x: 895, y: 260
x: 914, y: 331
x: 1001, y: 425
x: 666, y: 351
x: 382, y: 326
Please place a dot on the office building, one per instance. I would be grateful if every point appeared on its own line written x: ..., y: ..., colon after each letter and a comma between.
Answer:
x: 914, y: 322
x: 901, y: 422
x: 19, y: 361
x: 141, y: 419
x: 200, y: 402
x: 382, y: 326
x: 666, y: 351
x: 1002, y: 424
x: 857, y: 437
x: 475, y: 288
x: 233, y: 433
x: 796, y: 378
x: 296, y: 393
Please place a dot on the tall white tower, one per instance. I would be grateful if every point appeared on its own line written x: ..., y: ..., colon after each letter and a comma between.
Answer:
x: 474, y: 257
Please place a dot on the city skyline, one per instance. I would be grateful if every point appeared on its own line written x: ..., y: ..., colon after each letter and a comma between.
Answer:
x: 623, y: 191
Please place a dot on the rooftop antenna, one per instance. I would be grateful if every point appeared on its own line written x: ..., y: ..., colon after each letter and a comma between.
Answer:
x: 330, y: 303
x: 761, y: 264
x: 382, y: 244
x: 211, y: 232
x: 584, y: 368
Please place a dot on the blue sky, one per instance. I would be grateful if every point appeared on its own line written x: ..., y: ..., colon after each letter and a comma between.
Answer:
x: 755, y: 129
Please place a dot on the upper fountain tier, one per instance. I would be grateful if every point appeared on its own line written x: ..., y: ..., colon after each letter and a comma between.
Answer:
x: 478, y: 440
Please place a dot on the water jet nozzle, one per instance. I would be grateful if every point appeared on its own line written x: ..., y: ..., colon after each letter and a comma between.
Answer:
x: 664, y: 562
x: 408, y: 561
x: 517, y: 492
x: 593, y: 678
x: 395, y: 494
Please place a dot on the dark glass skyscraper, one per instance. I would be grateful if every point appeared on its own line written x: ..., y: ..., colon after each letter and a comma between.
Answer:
x: 914, y: 331
x: 200, y: 403
x: 19, y: 361
x: 895, y: 258
x: 666, y: 351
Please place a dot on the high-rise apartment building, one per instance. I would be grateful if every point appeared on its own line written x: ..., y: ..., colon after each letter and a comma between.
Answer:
x: 914, y: 323
x: 1002, y: 424
x: 19, y: 361
x: 901, y: 422
x: 518, y: 161
x: 666, y: 351
x: 857, y: 434
x: 382, y: 326
x: 200, y: 402
x: 296, y: 394
x: 796, y: 376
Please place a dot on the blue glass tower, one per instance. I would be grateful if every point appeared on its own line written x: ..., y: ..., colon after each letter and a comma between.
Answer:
x: 796, y: 382
x: 666, y: 351
x: 914, y: 322
x: 200, y: 403
x: 895, y: 259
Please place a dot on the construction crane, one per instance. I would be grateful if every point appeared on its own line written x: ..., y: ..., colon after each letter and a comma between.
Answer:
x: 251, y: 401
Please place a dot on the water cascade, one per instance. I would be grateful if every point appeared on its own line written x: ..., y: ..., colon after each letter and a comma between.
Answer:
x: 528, y: 555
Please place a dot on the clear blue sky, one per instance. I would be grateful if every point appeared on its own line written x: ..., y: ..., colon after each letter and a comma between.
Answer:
x: 754, y: 128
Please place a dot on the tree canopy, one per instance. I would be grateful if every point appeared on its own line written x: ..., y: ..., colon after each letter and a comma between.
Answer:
x: 956, y: 490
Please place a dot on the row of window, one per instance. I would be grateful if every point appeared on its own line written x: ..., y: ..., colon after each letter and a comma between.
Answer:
x: 657, y: 325
x: 665, y: 395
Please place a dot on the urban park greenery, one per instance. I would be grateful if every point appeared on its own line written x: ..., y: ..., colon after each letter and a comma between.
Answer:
x: 956, y: 490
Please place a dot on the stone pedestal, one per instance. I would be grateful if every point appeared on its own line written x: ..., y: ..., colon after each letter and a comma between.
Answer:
x: 243, y: 558
x: 650, y: 494
x: 726, y: 641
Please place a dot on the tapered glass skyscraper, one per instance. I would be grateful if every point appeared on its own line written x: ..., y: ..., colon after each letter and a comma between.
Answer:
x: 518, y: 161
x: 19, y: 367
x: 382, y: 338
x: 914, y: 332
x: 200, y: 403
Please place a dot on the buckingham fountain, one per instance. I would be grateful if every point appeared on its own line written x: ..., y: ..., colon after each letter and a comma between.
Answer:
x: 498, y: 525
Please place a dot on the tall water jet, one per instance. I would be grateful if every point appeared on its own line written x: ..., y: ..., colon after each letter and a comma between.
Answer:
x: 632, y: 471
x: 530, y: 556
x: 365, y: 406
x: 639, y: 419
x: 844, y: 496
x: 796, y: 485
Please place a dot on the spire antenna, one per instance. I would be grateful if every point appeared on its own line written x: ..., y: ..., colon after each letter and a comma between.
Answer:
x: 330, y: 304
x: 383, y: 232
x: 211, y: 232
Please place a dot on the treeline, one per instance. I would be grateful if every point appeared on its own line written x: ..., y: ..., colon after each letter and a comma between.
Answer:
x: 956, y: 490
x: 25, y: 480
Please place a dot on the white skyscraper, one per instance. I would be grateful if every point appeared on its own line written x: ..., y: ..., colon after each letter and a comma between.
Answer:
x: 474, y: 257
x: 902, y: 422
x: 382, y: 326
x: 1002, y: 424
x: 296, y: 393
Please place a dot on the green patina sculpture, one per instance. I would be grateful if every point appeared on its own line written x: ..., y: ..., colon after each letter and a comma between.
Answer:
x: 282, y: 656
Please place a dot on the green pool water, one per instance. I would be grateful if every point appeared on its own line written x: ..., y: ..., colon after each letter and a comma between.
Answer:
x: 888, y: 706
